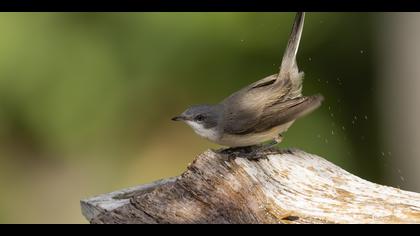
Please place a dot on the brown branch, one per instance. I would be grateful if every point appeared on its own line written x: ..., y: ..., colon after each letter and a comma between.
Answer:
x: 285, y: 187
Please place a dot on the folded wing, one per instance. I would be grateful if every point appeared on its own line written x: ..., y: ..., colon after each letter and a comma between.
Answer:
x: 273, y: 115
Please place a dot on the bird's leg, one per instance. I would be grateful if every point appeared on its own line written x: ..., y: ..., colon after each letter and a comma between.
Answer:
x: 256, y: 153
x: 272, y: 143
x: 252, y: 152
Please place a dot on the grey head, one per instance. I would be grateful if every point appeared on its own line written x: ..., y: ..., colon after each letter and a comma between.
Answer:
x: 204, y: 119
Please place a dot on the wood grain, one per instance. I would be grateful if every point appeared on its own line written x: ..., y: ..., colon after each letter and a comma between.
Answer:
x: 288, y: 186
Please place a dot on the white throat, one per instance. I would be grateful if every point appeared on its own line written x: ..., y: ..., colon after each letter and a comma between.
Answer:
x: 199, y: 129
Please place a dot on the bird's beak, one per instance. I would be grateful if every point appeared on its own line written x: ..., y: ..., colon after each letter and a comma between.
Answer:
x: 178, y: 118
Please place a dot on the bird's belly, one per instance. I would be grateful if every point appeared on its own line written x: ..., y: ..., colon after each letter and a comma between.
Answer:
x: 254, y: 138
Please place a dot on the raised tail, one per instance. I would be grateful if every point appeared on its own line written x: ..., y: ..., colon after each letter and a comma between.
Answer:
x: 288, y: 63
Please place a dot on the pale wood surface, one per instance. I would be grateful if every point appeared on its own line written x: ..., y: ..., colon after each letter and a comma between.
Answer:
x: 288, y: 186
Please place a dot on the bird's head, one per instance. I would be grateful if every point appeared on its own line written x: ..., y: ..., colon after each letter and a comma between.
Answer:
x: 203, y: 119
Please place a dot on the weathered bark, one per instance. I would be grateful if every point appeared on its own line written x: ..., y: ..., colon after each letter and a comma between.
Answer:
x: 285, y: 187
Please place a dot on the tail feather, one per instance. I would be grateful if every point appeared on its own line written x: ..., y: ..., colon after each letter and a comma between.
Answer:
x: 288, y: 63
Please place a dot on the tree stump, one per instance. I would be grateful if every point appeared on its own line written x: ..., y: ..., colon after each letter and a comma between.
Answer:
x: 288, y: 186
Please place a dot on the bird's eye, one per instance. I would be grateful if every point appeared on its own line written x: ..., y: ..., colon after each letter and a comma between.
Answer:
x: 199, y: 118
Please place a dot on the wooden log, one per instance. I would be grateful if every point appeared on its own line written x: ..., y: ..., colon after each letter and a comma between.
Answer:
x: 288, y: 186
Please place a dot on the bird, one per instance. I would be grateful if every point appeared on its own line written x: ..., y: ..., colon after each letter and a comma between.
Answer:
x: 261, y: 111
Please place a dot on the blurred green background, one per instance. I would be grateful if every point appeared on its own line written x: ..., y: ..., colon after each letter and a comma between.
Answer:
x: 86, y: 98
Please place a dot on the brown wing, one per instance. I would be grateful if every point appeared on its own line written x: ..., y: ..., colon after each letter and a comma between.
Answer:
x: 285, y: 112
x: 277, y: 114
x: 244, y: 108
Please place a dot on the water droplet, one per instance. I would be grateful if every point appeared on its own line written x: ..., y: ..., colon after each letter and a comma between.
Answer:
x: 366, y: 117
x: 318, y: 80
x: 310, y: 58
x: 402, y: 178
x: 361, y: 51
x: 329, y: 108
x: 389, y: 153
x: 332, y: 132
x: 242, y: 40
x: 326, y: 140
x: 326, y: 81
x: 343, y: 128
x: 353, y: 122
x: 355, y: 117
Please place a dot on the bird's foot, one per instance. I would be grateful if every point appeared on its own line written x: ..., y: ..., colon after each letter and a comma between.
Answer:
x: 262, y: 150
x: 250, y: 152
x: 238, y: 151
x: 254, y: 152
